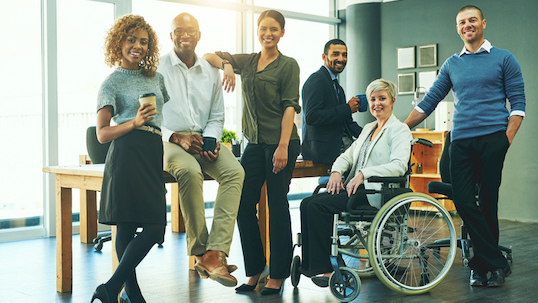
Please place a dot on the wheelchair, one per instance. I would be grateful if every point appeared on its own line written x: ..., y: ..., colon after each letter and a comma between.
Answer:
x: 391, y: 243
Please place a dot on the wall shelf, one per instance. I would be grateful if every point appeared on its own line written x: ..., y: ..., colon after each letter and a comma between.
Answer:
x: 429, y: 158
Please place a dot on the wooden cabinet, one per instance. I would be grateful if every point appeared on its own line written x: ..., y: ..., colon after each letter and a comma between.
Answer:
x: 428, y: 159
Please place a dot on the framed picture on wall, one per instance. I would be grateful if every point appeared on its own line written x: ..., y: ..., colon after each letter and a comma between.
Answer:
x: 427, y: 55
x: 426, y: 79
x: 406, y: 57
x: 406, y: 83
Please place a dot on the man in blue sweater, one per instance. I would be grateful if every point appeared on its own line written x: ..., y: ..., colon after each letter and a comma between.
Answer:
x: 482, y: 78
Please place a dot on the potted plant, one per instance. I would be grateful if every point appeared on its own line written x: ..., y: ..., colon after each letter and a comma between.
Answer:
x: 229, y: 137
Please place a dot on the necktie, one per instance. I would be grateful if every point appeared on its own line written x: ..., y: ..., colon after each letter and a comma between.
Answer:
x: 335, y: 84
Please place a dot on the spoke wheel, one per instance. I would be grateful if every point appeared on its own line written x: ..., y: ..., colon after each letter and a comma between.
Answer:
x: 402, y: 243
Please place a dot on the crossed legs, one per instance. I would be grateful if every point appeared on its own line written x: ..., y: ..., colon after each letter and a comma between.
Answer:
x: 131, y: 250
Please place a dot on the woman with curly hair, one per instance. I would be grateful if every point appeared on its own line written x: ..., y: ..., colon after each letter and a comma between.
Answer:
x: 133, y: 193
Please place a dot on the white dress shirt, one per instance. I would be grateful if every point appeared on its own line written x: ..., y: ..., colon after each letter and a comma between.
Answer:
x: 196, y: 102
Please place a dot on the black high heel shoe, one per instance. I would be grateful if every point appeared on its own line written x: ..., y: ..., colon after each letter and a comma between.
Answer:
x: 272, y: 291
x: 247, y: 288
x: 102, y: 294
x: 124, y: 298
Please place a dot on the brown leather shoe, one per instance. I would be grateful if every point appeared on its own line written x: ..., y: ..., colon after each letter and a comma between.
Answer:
x: 213, y: 265
x: 230, y: 267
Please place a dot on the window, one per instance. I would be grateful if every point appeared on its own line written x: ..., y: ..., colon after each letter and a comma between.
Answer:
x: 81, y: 70
x: 318, y: 7
x: 21, y: 180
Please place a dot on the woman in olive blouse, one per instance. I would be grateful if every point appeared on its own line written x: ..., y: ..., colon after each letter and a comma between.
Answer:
x: 270, y: 85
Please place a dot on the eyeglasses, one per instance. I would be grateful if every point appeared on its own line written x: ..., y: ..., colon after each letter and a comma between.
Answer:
x: 181, y: 32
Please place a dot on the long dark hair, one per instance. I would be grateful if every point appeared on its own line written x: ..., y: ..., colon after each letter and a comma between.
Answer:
x: 273, y: 14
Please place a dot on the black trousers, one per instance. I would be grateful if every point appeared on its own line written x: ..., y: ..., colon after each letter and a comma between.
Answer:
x: 317, y: 213
x: 257, y: 160
x: 479, y: 161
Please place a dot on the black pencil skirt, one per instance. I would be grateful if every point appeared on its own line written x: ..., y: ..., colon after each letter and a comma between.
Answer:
x: 133, y: 186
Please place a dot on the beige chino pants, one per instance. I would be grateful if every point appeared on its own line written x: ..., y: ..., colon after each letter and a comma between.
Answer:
x: 229, y: 174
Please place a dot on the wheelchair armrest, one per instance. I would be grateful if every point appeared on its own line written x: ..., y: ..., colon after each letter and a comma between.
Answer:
x: 398, y: 180
x: 361, y: 209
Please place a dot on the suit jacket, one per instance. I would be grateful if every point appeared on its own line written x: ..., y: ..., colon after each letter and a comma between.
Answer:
x: 388, y: 155
x: 325, y: 118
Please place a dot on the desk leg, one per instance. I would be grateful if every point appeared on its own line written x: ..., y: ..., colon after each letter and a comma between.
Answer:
x: 263, y: 220
x: 88, y: 215
x: 178, y: 224
x: 64, y: 239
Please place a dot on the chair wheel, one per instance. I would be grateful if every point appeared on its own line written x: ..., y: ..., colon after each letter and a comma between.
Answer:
x: 295, y: 275
x: 350, y: 289
x: 465, y: 262
x: 98, y: 246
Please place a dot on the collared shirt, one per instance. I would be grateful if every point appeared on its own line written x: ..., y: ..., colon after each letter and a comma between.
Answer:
x: 266, y: 95
x: 333, y: 76
x: 196, y: 101
x: 485, y: 47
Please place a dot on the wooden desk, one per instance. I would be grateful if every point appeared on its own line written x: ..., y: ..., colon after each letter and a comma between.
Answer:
x: 89, y: 178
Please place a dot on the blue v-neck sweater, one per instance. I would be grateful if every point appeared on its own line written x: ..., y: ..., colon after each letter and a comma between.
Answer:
x: 481, y: 83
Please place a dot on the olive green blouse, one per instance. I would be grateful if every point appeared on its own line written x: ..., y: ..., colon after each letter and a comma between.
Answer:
x: 266, y: 95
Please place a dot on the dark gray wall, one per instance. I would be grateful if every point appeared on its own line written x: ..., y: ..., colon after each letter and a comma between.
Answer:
x: 363, y: 32
x: 511, y: 25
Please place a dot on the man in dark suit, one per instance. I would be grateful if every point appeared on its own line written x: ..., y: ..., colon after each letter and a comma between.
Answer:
x: 328, y: 128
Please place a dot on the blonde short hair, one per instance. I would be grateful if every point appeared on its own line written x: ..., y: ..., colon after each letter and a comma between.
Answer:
x: 381, y: 84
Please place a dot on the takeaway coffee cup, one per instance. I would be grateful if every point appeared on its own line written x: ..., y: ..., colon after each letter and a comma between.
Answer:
x: 363, y: 106
x: 148, y: 98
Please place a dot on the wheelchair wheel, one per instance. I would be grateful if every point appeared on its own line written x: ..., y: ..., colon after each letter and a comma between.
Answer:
x: 401, y: 243
x: 355, y: 256
x: 350, y: 289
x: 295, y: 275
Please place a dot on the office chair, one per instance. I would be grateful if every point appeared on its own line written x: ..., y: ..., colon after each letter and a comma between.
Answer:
x: 97, y: 152
x: 445, y: 188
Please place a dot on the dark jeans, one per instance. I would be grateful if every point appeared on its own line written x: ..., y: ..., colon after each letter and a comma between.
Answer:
x: 257, y: 161
x: 316, y: 228
x: 479, y: 161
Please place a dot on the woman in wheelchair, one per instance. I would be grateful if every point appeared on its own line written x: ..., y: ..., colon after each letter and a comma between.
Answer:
x: 382, y: 149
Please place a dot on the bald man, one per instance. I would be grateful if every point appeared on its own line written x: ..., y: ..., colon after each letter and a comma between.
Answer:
x: 194, y: 113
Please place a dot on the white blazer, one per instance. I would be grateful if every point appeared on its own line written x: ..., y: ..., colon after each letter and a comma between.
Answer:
x: 388, y: 155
